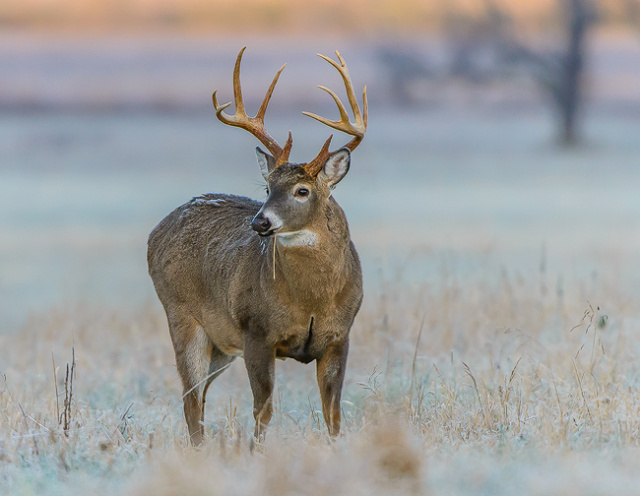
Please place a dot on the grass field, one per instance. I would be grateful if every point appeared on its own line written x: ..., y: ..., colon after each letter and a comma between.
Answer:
x: 495, y: 352
x: 453, y: 388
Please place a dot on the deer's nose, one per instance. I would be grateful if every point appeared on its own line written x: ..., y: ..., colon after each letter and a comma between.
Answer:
x: 261, y: 224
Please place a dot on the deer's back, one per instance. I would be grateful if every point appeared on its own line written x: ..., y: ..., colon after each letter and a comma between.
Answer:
x: 209, y: 227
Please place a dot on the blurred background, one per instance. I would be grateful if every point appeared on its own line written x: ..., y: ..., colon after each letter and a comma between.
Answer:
x: 503, y: 136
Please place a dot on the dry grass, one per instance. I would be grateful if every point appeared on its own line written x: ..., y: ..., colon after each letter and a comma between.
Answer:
x: 515, y: 385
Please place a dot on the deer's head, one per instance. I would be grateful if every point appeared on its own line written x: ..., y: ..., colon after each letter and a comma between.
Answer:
x: 297, y: 193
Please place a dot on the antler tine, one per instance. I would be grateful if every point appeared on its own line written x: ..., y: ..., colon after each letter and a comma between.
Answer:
x: 314, y: 167
x: 267, y: 98
x: 355, y: 129
x: 365, y: 108
x: 238, y: 118
x: 351, y: 95
x: 353, y: 144
x: 254, y: 125
x: 284, y: 156
x: 344, y: 116
x: 237, y: 89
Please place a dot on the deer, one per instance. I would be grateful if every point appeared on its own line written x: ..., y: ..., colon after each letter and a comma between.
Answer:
x: 278, y: 279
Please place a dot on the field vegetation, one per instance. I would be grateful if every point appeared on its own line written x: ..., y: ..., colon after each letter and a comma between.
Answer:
x: 453, y: 388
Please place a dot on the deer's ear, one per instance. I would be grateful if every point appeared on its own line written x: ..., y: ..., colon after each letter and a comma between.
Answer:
x: 336, y: 167
x: 266, y: 162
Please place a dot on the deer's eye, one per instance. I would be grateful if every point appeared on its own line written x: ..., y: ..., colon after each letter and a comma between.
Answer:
x: 302, y: 192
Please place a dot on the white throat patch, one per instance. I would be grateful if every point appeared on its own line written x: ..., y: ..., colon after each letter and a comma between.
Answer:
x: 303, y: 237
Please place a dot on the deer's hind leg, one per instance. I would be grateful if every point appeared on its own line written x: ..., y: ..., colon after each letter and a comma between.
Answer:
x: 199, y: 362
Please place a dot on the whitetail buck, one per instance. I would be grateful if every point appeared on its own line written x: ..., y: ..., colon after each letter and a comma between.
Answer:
x: 266, y: 280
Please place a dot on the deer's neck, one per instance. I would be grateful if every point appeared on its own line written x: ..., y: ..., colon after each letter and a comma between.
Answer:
x: 314, y: 263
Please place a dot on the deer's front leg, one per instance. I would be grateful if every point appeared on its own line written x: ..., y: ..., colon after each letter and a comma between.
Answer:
x: 330, y: 371
x: 260, y: 359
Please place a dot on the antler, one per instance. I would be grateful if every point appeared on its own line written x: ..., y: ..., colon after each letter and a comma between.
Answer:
x: 254, y: 125
x: 356, y: 129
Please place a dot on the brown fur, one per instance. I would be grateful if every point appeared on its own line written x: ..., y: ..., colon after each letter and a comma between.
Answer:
x: 215, y: 278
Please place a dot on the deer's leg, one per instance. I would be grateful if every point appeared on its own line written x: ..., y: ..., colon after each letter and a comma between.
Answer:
x: 260, y: 361
x: 217, y: 365
x: 195, y: 355
x: 330, y: 369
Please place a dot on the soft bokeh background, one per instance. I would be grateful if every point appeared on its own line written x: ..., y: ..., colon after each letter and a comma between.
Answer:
x: 107, y: 124
x: 464, y: 190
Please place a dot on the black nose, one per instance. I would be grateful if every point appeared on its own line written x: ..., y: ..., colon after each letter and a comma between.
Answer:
x: 261, y: 224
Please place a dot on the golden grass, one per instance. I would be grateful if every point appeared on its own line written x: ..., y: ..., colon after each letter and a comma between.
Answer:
x: 516, y: 384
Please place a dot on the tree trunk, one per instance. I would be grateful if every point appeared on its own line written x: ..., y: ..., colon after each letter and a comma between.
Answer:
x: 571, y: 92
